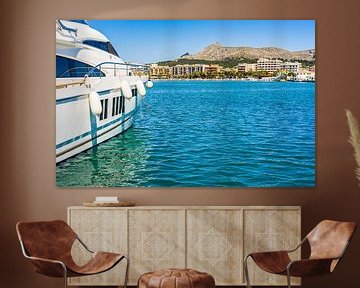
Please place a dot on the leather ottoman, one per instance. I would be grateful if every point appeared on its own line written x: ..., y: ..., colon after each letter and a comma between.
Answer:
x: 176, y: 278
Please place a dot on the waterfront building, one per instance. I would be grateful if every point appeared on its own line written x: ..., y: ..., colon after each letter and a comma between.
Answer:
x: 290, y: 67
x: 228, y: 69
x: 212, y: 68
x: 312, y: 68
x: 187, y: 69
x: 305, y: 75
x: 244, y: 67
x: 268, y: 65
x: 159, y: 71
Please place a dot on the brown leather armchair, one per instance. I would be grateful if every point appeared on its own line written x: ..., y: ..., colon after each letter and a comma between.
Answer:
x: 48, y: 245
x: 328, y: 242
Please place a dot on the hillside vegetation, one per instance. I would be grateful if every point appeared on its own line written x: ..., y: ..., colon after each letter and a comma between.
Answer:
x: 218, y: 52
x: 232, y: 56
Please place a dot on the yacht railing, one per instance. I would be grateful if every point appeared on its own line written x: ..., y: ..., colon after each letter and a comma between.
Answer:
x: 66, y: 28
x: 130, y: 68
x: 78, y: 72
x: 107, y: 69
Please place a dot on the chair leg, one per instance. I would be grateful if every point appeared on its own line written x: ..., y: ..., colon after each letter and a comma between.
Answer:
x: 246, y: 270
x: 127, y: 271
x: 65, y: 276
x: 288, y: 278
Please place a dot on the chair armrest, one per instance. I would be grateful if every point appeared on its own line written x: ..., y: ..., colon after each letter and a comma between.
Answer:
x: 49, y: 267
x: 46, y: 260
x: 84, y: 245
x: 298, y: 246
x: 268, y: 253
x: 281, y: 251
x: 271, y: 261
x: 309, y: 267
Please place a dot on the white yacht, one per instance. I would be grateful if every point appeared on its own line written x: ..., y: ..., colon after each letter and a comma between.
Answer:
x: 97, y: 93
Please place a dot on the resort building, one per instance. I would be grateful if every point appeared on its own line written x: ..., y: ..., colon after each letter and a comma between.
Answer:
x: 214, y: 69
x: 305, y: 75
x: 187, y: 69
x: 290, y: 67
x: 158, y: 71
x: 228, y: 70
x: 268, y: 65
x: 312, y: 68
x: 244, y: 67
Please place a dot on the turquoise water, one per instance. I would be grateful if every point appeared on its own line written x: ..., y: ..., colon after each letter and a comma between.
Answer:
x: 208, y: 133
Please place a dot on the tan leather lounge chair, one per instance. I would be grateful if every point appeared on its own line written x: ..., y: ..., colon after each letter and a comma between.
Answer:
x: 328, y: 242
x: 48, y: 245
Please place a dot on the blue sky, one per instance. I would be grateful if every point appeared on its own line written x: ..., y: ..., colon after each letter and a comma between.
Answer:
x: 155, y: 40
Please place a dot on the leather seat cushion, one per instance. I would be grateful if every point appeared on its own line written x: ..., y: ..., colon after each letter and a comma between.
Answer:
x: 176, y: 278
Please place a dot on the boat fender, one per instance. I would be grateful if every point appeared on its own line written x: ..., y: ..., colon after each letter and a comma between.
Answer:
x: 125, y: 89
x: 95, y: 104
x: 149, y: 84
x: 140, y: 88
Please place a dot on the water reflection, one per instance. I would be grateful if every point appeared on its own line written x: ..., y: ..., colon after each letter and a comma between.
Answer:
x: 117, y: 162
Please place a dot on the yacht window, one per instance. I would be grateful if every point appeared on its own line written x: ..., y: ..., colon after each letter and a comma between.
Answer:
x: 105, y: 46
x: 79, y: 21
x: 111, y: 49
x: 122, y: 105
x: 106, y: 108
x: 104, y: 112
x: 115, y: 107
x: 134, y: 92
x: 69, y: 68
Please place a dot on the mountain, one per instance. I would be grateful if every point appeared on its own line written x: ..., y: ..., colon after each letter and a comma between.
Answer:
x: 217, y: 52
x: 184, y: 55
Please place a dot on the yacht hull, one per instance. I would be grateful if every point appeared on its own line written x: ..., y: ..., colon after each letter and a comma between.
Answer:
x: 78, y: 129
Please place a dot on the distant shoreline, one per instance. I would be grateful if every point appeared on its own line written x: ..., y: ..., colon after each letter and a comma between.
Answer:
x: 225, y: 79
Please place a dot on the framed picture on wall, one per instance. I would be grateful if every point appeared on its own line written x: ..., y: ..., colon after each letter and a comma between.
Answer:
x: 185, y: 103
